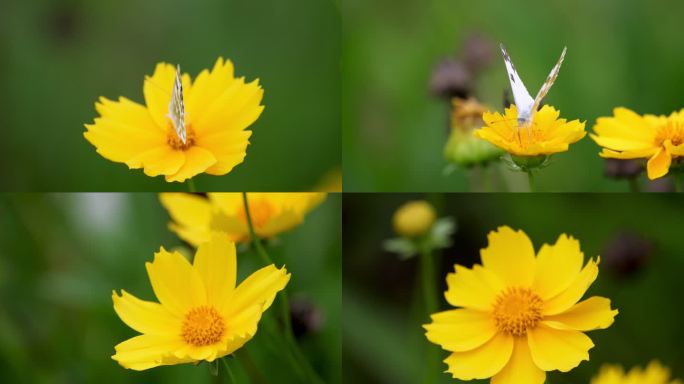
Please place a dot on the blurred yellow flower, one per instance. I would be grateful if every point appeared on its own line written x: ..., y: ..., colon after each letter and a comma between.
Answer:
x: 546, y: 135
x: 520, y: 315
x: 414, y: 218
x: 627, y: 135
x: 654, y: 373
x: 217, y: 110
x: 201, y: 314
x: 196, y: 218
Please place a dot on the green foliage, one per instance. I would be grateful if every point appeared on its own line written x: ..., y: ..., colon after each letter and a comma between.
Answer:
x: 63, y: 254
x: 58, y: 57
x: 620, y: 53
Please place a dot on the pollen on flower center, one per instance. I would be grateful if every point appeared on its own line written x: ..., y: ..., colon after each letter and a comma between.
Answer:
x: 261, y: 212
x: 202, y: 326
x: 516, y: 310
x: 175, y: 142
x: 673, y: 130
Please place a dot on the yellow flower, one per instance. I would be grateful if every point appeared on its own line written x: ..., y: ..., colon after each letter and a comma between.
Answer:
x: 546, y: 135
x: 653, y: 374
x: 218, y: 109
x: 196, y: 218
x: 414, y: 218
x: 201, y: 314
x: 520, y: 315
x: 627, y: 135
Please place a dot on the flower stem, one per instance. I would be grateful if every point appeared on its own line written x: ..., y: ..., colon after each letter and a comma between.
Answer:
x: 427, y: 268
x: 284, y: 302
x: 677, y: 181
x: 231, y: 378
x: 633, y: 184
x: 530, y: 180
x: 191, y: 185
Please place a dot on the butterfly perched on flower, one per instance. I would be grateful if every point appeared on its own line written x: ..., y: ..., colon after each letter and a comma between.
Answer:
x: 526, y: 105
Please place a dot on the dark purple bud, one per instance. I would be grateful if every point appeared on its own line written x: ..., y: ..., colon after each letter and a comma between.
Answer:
x: 622, y: 169
x: 478, y: 52
x: 450, y: 79
x: 626, y: 253
x: 306, y: 318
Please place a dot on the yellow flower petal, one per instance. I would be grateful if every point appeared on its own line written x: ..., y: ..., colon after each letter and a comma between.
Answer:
x: 145, y: 316
x: 147, y: 351
x: 510, y: 255
x: 590, y: 314
x: 520, y: 368
x: 483, y: 362
x: 574, y: 292
x: 175, y: 283
x: 197, y: 160
x: 208, y: 86
x: 557, y: 266
x: 260, y: 287
x: 191, y: 215
x: 659, y: 164
x: 554, y: 349
x: 475, y: 288
x: 460, y: 330
x: 229, y: 148
x: 157, y: 161
x: 235, y: 109
x: 157, y: 90
x: 216, y: 264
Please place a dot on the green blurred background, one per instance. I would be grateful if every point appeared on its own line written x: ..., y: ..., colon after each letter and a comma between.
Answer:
x: 57, y: 57
x: 639, y: 239
x: 61, y: 255
x: 620, y: 53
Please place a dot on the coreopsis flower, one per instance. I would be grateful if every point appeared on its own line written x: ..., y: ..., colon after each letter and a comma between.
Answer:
x: 654, y: 373
x: 196, y: 218
x: 201, y: 314
x: 519, y: 315
x: 463, y: 148
x: 185, y: 128
x: 628, y: 135
x: 547, y: 133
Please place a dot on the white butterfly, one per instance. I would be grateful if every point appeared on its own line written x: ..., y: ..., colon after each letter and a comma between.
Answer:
x: 177, y: 108
x: 526, y: 105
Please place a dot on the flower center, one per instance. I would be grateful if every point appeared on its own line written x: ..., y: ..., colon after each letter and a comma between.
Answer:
x: 261, y: 212
x: 673, y: 131
x: 202, y: 326
x: 516, y: 310
x: 175, y: 142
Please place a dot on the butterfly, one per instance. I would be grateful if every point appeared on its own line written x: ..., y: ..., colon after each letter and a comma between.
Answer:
x: 526, y: 105
x: 177, y: 108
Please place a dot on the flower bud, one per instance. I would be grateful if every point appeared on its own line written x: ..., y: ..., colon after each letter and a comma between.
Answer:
x: 414, y: 218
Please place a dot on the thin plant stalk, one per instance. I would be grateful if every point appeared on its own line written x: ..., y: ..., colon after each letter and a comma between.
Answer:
x: 634, y: 184
x: 429, y: 288
x: 229, y: 371
x: 284, y: 302
x: 191, y: 185
x: 530, y: 180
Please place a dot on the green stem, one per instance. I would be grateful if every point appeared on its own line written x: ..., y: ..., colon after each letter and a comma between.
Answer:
x: 530, y: 180
x: 677, y: 181
x: 284, y: 302
x: 191, y: 185
x: 231, y: 378
x: 429, y: 283
x: 250, y: 367
x: 634, y: 184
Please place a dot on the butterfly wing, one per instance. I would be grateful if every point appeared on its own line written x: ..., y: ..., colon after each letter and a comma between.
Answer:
x: 177, y: 108
x: 549, y: 82
x: 522, y: 98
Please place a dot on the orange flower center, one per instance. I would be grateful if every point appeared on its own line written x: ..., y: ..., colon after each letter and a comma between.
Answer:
x: 202, y: 326
x: 673, y: 131
x: 175, y: 142
x: 516, y: 310
x: 261, y: 212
